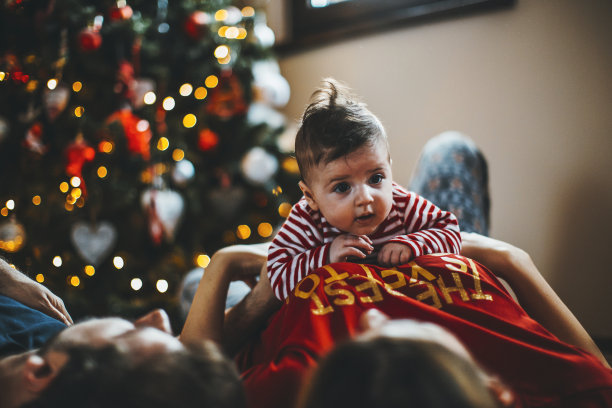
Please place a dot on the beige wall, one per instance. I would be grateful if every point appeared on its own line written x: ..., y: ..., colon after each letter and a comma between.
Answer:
x: 532, y: 85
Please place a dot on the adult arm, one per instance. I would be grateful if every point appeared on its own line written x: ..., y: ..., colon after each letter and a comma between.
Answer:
x: 19, y: 287
x: 207, y: 318
x: 533, y: 292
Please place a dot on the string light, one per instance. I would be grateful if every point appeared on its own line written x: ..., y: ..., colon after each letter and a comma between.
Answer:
x: 168, y: 103
x: 222, y: 31
x: 142, y: 125
x: 31, y: 86
x: 64, y: 187
x: 211, y: 81
x: 243, y: 231
x: 52, y: 83
x: 232, y: 32
x: 4, y: 211
x: 3, y: 76
x: 162, y: 285
x: 77, y: 86
x: 186, y: 89
x: 10, y: 204
x: 202, y: 260
x: 36, y: 200
x: 75, y: 181
x: 284, y: 209
x: 136, y: 284
x: 290, y: 165
x: 57, y: 261
x: 222, y: 51
x: 76, y: 193
x: 102, y: 171
x: 160, y: 168
x: 189, y: 120
x: 78, y: 111
x: 68, y: 206
x: 118, y: 262
x: 178, y: 155
x: 221, y: 15
x: 149, y: 98
x: 200, y: 93
x: 75, y: 281
x: 163, y: 143
x: 40, y: 278
x: 264, y: 229
x: 105, y: 146
x: 89, y: 270
x: 248, y: 11
x: 242, y: 33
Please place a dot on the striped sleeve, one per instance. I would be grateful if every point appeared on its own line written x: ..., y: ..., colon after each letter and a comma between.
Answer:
x: 294, y: 252
x: 429, y: 229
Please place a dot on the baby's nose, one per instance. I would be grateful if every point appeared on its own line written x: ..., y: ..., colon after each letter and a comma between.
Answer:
x: 364, y: 196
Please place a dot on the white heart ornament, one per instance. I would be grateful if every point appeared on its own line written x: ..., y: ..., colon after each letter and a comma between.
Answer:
x: 165, y: 207
x: 93, y: 242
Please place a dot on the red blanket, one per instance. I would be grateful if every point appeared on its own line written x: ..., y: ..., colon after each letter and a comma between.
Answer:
x: 452, y: 291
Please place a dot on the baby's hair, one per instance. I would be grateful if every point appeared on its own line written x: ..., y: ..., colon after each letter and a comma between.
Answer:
x: 334, y: 124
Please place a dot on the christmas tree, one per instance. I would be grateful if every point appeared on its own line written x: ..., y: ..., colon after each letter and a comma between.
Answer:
x: 135, y: 140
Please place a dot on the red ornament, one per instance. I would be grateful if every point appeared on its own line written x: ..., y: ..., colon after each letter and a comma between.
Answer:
x: 77, y: 154
x: 125, y: 80
x: 207, y: 140
x: 197, y: 24
x: 227, y: 99
x: 90, y: 39
x: 137, y: 132
x: 117, y: 13
x: 33, y: 139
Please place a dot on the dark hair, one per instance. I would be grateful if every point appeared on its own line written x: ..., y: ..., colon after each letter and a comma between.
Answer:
x: 198, y: 376
x: 394, y: 373
x: 334, y: 124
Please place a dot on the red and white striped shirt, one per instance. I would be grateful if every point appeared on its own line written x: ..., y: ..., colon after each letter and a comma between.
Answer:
x: 303, y: 242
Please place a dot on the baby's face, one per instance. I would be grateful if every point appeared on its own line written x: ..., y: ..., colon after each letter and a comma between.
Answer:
x: 354, y: 192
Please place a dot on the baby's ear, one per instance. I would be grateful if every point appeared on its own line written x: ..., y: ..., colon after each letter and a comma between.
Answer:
x: 308, y: 195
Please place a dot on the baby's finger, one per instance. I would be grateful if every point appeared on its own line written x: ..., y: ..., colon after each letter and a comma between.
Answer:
x: 395, y: 256
x: 404, y: 257
x: 362, y: 241
x: 352, y: 252
x: 365, y: 238
x: 383, y: 257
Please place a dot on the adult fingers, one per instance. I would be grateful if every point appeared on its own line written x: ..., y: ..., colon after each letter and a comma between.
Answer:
x: 59, y: 310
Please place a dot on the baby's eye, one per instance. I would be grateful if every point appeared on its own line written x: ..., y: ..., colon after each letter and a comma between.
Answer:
x: 376, y: 178
x: 341, y: 188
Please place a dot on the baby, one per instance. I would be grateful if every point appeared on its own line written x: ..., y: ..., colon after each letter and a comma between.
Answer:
x: 351, y: 209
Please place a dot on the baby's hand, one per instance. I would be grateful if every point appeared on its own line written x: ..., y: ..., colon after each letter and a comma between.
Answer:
x: 394, y: 253
x: 348, y: 245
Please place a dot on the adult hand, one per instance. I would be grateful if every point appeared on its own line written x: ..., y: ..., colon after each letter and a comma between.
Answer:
x: 349, y: 245
x: 243, y: 262
x: 394, y: 253
x: 22, y: 289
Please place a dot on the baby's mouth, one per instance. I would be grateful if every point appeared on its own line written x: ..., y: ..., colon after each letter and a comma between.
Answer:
x: 364, y: 218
